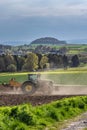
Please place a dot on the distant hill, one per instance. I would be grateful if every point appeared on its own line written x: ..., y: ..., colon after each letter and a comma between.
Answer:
x: 47, y: 40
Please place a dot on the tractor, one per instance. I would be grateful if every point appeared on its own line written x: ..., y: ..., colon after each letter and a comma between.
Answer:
x: 34, y: 84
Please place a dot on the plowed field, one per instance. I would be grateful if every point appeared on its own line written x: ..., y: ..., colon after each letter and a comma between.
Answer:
x: 12, y: 99
x: 9, y: 97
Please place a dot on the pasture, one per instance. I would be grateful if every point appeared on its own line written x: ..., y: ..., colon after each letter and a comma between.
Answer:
x: 71, y: 48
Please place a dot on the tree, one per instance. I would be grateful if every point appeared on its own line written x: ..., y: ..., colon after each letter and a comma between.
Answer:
x: 39, y: 59
x: 2, y: 64
x: 59, y: 61
x: 75, y: 61
x: 43, y: 61
x: 9, y: 59
x: 55, y: 60
x: 11, y: 68
x: 31, y: 62
x: 19, y: 62
x: 47, y: 66
x: 65, y: 61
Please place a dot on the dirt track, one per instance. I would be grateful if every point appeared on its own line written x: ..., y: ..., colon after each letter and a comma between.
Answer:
x: 79, y: 124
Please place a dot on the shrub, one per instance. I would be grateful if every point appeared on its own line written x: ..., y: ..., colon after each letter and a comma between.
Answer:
x: 26, y: 118
x: 81, y: 105
x: 11, y: 68
x: 58, y: 104
x: 13, y: 112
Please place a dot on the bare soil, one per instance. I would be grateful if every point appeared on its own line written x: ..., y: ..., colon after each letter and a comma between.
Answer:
x: 9, y: 97
x: 16, y: 99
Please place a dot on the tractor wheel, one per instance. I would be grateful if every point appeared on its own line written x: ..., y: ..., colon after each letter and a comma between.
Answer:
x: 28, y: 88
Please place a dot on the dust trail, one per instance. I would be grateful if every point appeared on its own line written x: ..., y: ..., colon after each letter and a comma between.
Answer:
x: 70, y: 90
x: 64, y: 89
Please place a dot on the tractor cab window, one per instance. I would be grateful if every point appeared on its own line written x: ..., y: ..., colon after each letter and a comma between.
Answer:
x: 32, y: 77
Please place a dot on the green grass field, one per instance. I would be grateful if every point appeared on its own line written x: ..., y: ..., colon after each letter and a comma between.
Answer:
x: 72, y: 48
x: 27, y: 117
x: 77, y: 76
x: 19, y: 77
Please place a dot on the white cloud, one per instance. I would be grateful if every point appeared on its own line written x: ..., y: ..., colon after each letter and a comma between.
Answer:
x: 69, y: 25
x: 9, y: 8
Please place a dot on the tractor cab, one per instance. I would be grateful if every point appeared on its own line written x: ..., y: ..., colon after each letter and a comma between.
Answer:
x: 33, y: 77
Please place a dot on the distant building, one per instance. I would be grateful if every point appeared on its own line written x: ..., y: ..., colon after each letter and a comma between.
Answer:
x: 57, y: 52
x: 18, y: 53
x: 2, y: 52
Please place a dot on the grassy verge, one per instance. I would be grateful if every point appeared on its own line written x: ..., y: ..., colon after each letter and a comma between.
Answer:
x: 27, y: 117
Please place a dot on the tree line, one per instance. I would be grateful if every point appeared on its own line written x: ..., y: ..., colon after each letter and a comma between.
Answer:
x: 35, y: 62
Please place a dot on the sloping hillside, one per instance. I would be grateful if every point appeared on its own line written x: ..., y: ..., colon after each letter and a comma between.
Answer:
x: 48, y: 40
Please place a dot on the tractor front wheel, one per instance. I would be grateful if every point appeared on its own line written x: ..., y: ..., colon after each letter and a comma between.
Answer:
x: 28, y: 88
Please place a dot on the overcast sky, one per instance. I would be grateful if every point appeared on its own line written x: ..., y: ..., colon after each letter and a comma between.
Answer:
x: 31, y: 19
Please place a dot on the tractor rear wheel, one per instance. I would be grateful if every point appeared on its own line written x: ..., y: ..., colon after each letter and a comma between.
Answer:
x: 28, y: 88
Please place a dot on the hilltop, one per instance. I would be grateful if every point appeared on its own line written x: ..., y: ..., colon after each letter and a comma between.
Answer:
x: 47, y: 40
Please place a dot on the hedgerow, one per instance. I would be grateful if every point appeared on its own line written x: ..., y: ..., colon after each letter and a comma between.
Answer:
x: 27, y: 117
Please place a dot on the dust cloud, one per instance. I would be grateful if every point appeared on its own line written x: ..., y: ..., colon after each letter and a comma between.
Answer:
x: 57, y: 90
x: 70, y: 88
